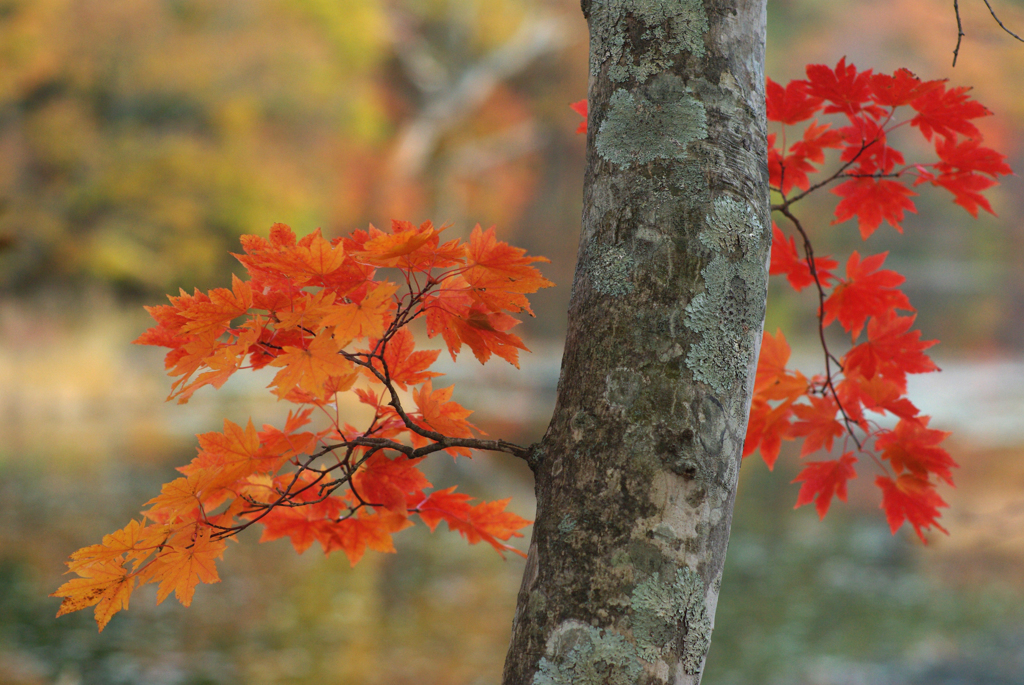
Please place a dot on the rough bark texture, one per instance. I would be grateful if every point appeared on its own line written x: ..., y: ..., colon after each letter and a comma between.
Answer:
x: 636, y: 476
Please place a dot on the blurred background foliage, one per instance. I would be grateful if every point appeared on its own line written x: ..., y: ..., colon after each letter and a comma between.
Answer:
x: 139, y: 140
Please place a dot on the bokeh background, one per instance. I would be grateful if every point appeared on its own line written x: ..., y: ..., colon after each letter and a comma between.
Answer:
x: 139, y: 140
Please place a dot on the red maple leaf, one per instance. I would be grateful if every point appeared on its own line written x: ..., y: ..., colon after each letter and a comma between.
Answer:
x: 876, y: 394
x: 773, y: 381
x: 892, y: 350
x: 947, y: 112
x: 767, y: 427
x: 785, y: 260
x: 867, y: 143
x: 791, y: 104
x: 873, y: 200
x: 847, y: 90
x: 914, y: 447
x: 900, y: 89
x: 817, y: 423
x: 816, y: 139
x: 581, y: 109
x: 910, y: 498
x: 966, y: 189
x: 969, y: 156
x: 867, y: 291
x: 824, y: 479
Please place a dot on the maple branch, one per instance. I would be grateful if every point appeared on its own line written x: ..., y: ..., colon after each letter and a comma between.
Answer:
x: 229, y: 531
x: 1003, y: 27
x: 441, y: 441
x: 959, y: 30
x: 834, y: 177
x: 829, y: 357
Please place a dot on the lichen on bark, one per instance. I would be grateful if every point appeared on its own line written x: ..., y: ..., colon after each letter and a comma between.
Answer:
x: 671, y: 26
x: 733, y: 301
x: 668, y: 609
x: 580, y: 654
x: 637, y: 131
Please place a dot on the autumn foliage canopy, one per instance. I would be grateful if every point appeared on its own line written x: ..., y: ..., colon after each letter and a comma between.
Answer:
x: 315, y: 310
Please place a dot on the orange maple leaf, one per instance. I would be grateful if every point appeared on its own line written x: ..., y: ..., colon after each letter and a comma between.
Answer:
x: 310, y: 367
x: 318, y: 257
x: 183, y: 496
x: 487, y: 521
x: 388, y: 482
x: 231, y: 455
x: 223, y: 306
x: 441, y: 415
x: 130, y: 540
x: 449, y: 314
x: 500, y: 275
x: 367, y: 530
x: 107, y: 584
x: 363, y: 319
x: 187, y: 560
x: 405, y: 365
x: 388, y: 249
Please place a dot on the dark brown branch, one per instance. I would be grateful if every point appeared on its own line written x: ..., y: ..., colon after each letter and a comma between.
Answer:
x: 829, y: 357
x: 1001, y: 25
x: 834, y: 177
x: 959, y: 31
x: 960, y: 28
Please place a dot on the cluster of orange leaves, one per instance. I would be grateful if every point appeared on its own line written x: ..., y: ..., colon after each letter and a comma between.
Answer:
x: 872, y: 374
x: 314, y: 309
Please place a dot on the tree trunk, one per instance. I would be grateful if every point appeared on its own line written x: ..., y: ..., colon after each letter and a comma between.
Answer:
x: 636, y: 475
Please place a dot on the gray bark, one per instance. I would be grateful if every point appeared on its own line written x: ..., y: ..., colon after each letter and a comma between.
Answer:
x: 636, y: 475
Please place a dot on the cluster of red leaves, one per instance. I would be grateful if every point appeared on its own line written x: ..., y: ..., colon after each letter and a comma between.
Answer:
x: 872, y: 375
x: 313, y: 309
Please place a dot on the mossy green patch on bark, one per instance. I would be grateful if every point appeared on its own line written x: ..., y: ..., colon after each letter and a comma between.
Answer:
x: 637, y: 131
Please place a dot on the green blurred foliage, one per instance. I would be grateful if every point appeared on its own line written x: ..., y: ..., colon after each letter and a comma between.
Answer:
x: 139, y: 139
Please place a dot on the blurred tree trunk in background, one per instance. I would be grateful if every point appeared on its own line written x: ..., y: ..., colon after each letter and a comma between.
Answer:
x: 636, y: 475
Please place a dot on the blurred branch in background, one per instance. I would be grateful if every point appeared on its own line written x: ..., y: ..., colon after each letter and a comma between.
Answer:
x: 449, y: 101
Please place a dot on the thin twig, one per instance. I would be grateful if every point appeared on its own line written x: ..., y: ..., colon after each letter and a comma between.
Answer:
x: 959, y: 30
x: 992, y: 12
